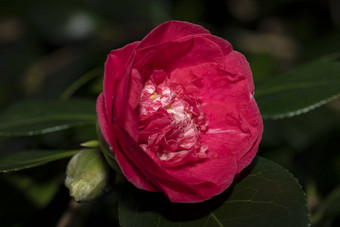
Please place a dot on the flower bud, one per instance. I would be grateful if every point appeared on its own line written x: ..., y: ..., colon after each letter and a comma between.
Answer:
x: 86, y: 175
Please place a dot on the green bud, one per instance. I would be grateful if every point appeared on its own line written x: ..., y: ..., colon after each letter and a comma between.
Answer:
x: 86, y: 175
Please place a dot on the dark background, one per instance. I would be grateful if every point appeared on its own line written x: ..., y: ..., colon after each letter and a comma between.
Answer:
x: 47, y: 45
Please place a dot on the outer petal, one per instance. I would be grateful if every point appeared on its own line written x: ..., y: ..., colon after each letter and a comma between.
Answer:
x: 145, y: 172
x: 236, y: 63
x: 255, y: 120
x: 249, y: 156
x: 103, y: 120
x: 116, y: 89
x: 117, y: 65
x: 222, y: 43
x: 130, y: 157
x: 215, y: 85
x: 171, y: 31
x: 209, y: 178
x: 230, y: 108
x: 238, y: 108
x: 229, y: 133
x: 135, y: 88
x: 196, y: 182
x: 186, y: 52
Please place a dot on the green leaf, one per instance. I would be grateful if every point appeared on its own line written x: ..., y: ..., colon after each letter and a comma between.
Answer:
x: 264, y: 195
x: 39, y: 117
x: 31, y: 158
x: 82, y: 81
x: 300, y: 90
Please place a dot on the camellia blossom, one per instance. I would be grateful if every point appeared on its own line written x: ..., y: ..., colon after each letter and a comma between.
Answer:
x: 178, y: 112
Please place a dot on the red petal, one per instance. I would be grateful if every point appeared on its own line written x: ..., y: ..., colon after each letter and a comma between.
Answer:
x: 171, y: 31
x: 222, y: 43
x: 178, y: 54
x: 236, y: 63
x: 209, y: 178
x: 193, y: 183
x: 117, y: 65
x: 135, y: 88
x: 102, y: 120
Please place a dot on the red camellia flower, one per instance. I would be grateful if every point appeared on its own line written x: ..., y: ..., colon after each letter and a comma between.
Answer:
x: 179, y: 113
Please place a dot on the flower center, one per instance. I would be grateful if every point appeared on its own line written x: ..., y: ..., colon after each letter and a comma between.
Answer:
x: 170, y: 122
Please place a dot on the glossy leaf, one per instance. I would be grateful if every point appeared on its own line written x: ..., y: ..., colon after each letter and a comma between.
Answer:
x: 264, y: 195
x: 300, y: 90
x: 82, y: 81
x: 39, y: 117
x: 31, y: 158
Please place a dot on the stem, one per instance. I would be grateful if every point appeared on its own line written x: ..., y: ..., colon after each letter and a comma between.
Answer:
x: 68, y: 217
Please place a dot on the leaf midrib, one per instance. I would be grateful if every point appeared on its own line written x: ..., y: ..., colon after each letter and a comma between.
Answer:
x: 34, y: 120
x: 280, y: 88
x: 36, y: 162
x: 216, y: 219
x: 42, y: 159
